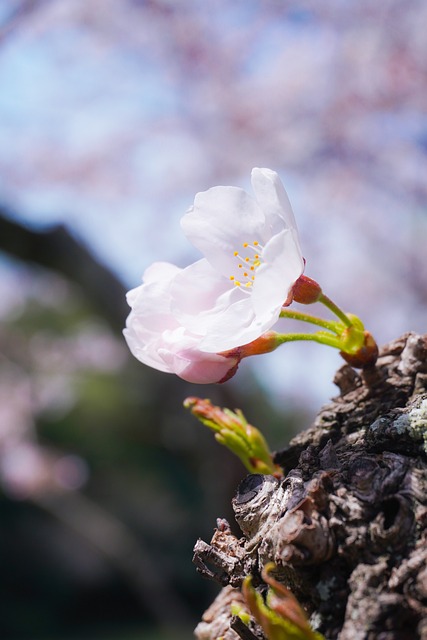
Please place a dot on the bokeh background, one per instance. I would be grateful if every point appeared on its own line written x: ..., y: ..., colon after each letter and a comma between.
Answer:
x: 113, y: 114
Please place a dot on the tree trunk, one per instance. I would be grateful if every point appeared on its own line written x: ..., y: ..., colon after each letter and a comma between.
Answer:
x: 346, y: 527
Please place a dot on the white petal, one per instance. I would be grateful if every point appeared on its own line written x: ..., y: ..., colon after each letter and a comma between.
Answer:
x: 226, y: 329
x: 237, y: 326
x: 146, y: 349
x: 197, y: 287
x: 151, y: 307
x: 273, y: 199
x: 221, y: 220
x: 282, y: 266
x: 201, y: 368
x: 159, y: 271
x: 151, y: 313
x: 201, y: 296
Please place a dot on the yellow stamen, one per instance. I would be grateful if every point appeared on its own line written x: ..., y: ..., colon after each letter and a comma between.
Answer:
x: 250, y: 262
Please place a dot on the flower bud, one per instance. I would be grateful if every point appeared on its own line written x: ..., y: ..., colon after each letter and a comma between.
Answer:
x: 264, y: 344
x: 366, y: 356
x: 233, y: 430
x: 306, y: 290
x: 269, y: 341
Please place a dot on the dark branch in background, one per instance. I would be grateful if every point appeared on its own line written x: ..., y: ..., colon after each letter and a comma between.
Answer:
x: 148, y: 576
x: 57, y: 250
x: 143, y: 571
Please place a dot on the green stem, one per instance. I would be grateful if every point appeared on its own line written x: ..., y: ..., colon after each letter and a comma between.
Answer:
x: 335, y: 309
x: 306, y: 317
x: 323, y: 338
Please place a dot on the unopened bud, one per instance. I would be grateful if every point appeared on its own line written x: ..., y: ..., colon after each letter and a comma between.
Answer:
x: 306, y: 290
x: 264, y: 344
x: 269, y: 341
x: 366, y: 356
x: 233, y: 430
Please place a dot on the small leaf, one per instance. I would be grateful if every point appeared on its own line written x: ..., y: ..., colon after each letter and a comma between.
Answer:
x: 280, y: 616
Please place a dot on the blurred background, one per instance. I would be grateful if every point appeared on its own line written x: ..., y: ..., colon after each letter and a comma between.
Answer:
x: 113, y: 114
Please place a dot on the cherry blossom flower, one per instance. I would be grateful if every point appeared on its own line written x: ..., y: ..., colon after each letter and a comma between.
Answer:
x: 193, y: 321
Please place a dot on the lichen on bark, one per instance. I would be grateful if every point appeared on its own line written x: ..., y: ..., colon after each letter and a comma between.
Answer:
x: 346, y: 527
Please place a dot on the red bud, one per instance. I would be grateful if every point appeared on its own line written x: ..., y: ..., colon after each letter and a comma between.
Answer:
x: 306, y: 290
x: 366, y: 356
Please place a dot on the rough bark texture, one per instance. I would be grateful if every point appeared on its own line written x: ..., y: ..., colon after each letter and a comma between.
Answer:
x: 346, y: 527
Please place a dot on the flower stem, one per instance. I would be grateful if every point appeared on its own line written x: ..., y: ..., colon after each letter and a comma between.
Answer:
x: 322, y: 337
x: 335, y: 309
x: 306, y: 317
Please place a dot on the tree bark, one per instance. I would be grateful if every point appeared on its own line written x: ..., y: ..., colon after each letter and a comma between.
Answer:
x: 346, y: 526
